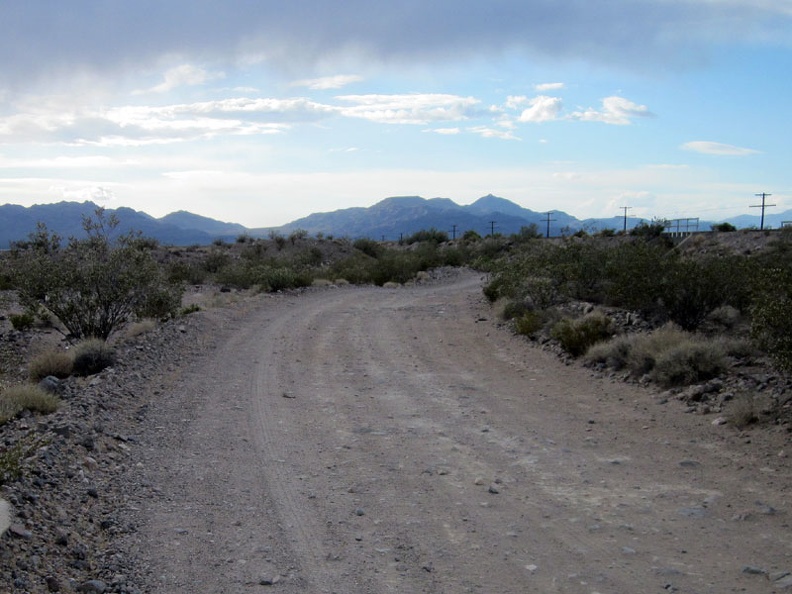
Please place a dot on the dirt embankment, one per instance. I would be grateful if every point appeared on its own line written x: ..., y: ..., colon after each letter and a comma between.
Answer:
x: 369, y: 440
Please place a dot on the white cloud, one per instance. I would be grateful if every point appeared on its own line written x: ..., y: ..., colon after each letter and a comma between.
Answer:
x: 615, y: 110
x: 555, y: 86
x: 183, y: 75
x: 446, y: 131
x: 487, y: 132
x: 542, y: 109
x: 417, y: 108
x: 328, y: 82
x: 717, y: 148
x: 516, y: 101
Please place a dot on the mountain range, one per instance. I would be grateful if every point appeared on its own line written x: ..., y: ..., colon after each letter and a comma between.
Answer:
x: 389, y: 219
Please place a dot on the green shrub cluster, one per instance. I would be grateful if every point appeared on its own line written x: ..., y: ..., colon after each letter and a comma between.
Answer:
x: 638, y: 273
x: 94, y: 285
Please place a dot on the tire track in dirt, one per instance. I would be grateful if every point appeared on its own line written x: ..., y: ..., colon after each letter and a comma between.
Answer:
x: 369, y: 440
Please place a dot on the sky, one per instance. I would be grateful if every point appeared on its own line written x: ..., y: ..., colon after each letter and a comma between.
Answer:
x: 261, y: 112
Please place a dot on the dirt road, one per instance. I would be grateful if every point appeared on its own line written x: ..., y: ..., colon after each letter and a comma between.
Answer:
x: 370, y: 440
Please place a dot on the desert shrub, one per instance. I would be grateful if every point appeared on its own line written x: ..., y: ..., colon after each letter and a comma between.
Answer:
x: 139, y: 328
x: 614, y: 353
x: 53, y: 362
x: 12, y: 459
x: 692, y: 288
x: 22, y: 321
x: 432, y: 235
x: 16, y: 399
x: 397, y: 267
x: 216, y: 260
x: 529, y: 323
x: 190, y: 273
x: 576, y: 336
x: 470, y: 236
x: 281, y: 278
x: 161, y: 303
x: 743, y: 410
x: 515, y: 309
x: 356, y: 269
x: 297, y: 235
x: 668, y: 356
x: 771, y: 322
x: 689, y: 362
x: 632, y: 275
x: 724, y: 227
x: 190, y: 309
x: 278, y: 239
x: 648, y: 230
x: 92, y: 285
x: 369, y: 247
x: 92, y: 356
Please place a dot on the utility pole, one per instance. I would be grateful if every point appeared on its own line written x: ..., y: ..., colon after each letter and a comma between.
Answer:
x: 625, y: 209
x: 764, y: 195
x: 547, y: 220
x: 453, y: 232
x: 492, y: 228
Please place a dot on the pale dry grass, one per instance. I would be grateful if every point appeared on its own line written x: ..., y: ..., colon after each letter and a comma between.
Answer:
x: 136, y: 329
x: 15, y: 399
x: 52, y: 361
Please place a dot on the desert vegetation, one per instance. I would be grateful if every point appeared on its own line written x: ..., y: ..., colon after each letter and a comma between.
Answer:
x: 633, y: 303
x: 670, y: 313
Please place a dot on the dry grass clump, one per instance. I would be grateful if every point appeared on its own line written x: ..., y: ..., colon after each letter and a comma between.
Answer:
x: 668, y: 356
x: 136, y: 329
x: 577, y: 336
x: 53, y: 362
x: 743, y: 410
x: 5, y: 516
x: 92, y: 356
x: 15, y: 399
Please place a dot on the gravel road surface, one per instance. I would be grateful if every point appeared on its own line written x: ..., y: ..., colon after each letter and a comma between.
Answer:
x: 375, y: 440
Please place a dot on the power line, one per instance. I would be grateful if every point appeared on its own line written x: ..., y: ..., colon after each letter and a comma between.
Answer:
x: 625, y: 209
x: 547, y: 220
x: 764, y: 195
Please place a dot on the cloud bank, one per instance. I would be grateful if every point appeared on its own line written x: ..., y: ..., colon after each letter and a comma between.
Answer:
x: 45, y: 39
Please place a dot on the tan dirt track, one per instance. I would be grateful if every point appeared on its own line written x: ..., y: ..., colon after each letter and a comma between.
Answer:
x: 373, y: 440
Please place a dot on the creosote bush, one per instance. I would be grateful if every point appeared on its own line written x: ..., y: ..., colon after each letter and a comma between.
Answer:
x: 15, y: 399
x: 55, y: 362
x: 94, y: 285
x: 92, y: 356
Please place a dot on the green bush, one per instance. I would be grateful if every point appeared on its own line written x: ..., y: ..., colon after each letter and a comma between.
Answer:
x: 369, y: 247
x: 92, y: 356
x: 23, y: 321
x: 577, y: 336
x: 529, y: 323
x: 92, y: 285
x: 771, y: 322
x: 15, y: 399
x: 51, y: 362
x: 431, y: 235
x: 12, y: 458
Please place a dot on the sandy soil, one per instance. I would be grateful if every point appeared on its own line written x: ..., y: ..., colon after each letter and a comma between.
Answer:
x: 370, y: 440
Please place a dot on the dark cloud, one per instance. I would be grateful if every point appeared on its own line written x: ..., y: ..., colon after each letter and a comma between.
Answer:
x: 47, y: 38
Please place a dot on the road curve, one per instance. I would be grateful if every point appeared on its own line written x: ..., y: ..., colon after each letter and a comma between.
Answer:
x: 375, y: 440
